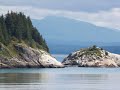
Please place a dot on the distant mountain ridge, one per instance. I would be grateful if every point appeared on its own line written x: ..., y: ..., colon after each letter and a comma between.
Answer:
x: 61, y: 31
x: 69, y: 29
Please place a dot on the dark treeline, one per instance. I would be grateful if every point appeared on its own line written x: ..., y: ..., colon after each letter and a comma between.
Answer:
x: 18, y: 27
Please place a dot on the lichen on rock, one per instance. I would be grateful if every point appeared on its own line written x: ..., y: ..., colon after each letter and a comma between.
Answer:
x: 92, y: 57
x: 27, y: 57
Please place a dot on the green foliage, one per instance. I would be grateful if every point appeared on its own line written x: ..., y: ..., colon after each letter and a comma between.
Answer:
x: 92, y: 51
x: 106, y: 53
x: 18, y: 27
x: 94, y: 46
x: 4, y: 51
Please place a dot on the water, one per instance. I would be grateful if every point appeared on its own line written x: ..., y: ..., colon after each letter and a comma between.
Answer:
x: 71, y: 48
x: 60, y: 57
x: 69, y: 78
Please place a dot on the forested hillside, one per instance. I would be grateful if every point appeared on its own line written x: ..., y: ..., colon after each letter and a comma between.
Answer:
x: 16, y: 27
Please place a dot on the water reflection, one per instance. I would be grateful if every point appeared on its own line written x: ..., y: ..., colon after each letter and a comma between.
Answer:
x: 60, y: 79
x: 23, y: 78
x: 41, y: 81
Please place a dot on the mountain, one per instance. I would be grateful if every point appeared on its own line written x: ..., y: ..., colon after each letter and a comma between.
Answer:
x: 60, y: 31
x: 68, y: 30
x: 21, y: 45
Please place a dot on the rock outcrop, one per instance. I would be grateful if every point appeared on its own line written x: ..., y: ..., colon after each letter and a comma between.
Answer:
x: 22, y: 45
x: 92, y: 57
x: 26, y: 57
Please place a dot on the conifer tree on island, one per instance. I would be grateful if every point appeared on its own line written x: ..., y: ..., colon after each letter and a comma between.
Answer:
x: 17, y: 27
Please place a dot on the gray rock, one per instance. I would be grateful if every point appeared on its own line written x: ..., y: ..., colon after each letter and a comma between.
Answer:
x: 92, y: 57
x: 28, y: 57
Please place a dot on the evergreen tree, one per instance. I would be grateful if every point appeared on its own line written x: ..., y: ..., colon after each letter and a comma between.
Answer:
x: 17, y: 25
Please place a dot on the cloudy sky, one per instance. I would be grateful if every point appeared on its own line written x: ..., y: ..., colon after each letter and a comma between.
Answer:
x: 105, y: 13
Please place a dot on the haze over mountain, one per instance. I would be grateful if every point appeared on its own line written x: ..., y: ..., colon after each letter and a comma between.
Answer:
x: 60, y: 31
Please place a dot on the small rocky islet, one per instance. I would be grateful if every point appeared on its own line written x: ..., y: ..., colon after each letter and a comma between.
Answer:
x: 92, y: 57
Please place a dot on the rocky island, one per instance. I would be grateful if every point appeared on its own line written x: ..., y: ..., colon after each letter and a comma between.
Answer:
x: 92, y: 57
x: 21, y: 45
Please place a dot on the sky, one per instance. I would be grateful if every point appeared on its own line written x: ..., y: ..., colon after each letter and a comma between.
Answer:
x: 105, y: 13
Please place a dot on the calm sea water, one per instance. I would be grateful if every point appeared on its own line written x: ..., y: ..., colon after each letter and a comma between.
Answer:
x: 70, y: 78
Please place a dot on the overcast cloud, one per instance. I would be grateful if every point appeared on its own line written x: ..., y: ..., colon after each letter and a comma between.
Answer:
x: 71, y: 5
x: 105, y: 13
